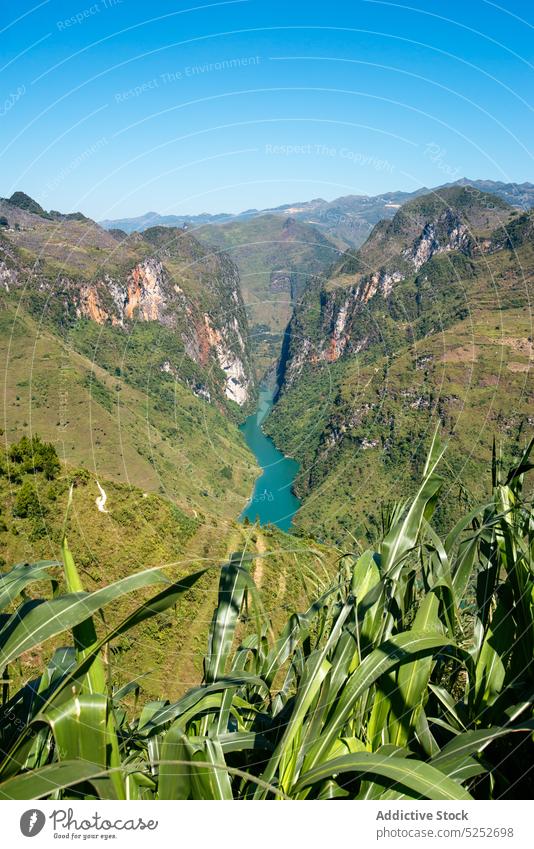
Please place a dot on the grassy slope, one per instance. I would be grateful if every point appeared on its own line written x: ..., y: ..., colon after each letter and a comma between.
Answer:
x: 140, y: 531
x: 176, y: 473
x: 179, y: 445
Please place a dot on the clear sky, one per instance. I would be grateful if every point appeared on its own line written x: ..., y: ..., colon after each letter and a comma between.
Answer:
x: 118, y: 107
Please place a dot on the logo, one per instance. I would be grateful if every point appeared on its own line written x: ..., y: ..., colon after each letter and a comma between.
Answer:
x: 32, y: 822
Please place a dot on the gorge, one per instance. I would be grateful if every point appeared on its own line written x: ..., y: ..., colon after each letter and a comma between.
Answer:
x: 273, y: 500
x: 167, y: 336
x: 148, y: 362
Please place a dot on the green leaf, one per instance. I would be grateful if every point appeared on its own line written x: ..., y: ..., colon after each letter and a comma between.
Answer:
x: 222, y: 629
x: 468, y: 743
x: 403, y: 535
x: 420, y: 778
x: 211, y: 780
x: 12, y: 583
x: 80, y: 728
x: 174, y: 778
x: 413, y: 678
x: 315, y: 671
x: 29, y: 627
x: 40, y: 783
x: 84, y: 633
x: 402, y: 648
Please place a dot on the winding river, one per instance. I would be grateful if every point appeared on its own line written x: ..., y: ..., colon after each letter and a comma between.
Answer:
x: 273, y: 500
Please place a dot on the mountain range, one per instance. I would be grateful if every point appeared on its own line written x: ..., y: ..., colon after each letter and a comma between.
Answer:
x: 348, y: 219
x: 277, y: 250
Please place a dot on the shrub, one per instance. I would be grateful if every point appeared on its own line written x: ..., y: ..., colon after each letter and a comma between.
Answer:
x: 27, y: 504
x: 33, y: 455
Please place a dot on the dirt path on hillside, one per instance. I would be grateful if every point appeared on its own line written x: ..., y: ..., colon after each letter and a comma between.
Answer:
x: 259, y: 561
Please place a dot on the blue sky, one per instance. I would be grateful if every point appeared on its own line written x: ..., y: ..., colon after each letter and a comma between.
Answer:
x: 117, y: 108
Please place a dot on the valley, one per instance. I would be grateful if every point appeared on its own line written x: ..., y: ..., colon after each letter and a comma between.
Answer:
x: 255, y: 369
x: 267, y: 421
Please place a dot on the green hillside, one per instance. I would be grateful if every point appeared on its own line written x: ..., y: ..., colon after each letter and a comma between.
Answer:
x: 156, y: 435
x: 129, y: 359
x: 450, y: 340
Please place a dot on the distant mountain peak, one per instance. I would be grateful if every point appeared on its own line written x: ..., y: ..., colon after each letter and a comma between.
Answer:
x: 23, y: 201
x: 28, y: 204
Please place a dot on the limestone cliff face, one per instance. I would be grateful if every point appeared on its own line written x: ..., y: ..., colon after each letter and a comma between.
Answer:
x: 333, y: 334
x: 448, y: 233
x: 163, y: 275
x: 328, y: 324
x: 145, y: 295
x: 210, y: 338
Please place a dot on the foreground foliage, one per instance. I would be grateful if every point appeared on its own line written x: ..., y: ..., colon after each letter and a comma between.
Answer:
x: 411, y: 676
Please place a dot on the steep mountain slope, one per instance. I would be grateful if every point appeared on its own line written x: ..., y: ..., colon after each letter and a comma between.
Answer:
x: 156, y: 436
x: 70, y: 270
x: 134, y: 531
x: 276, y: 258
x: 129, y: 354
x: 428, y: 321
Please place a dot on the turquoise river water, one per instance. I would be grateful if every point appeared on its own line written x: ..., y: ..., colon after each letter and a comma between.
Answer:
x: 272, y: 500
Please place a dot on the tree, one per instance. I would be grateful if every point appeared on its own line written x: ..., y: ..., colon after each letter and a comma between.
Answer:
x: 27, y: 504
x: 33, y: 455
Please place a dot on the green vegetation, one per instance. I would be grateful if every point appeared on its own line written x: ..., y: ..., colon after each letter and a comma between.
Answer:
x: 24, y: 201
x: 33, y: 455
x: 139, y: 530
x: 408, y: 670
x: 409, y: 676
x: 452, y: 339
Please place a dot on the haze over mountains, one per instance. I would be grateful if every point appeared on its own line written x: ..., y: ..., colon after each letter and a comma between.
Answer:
x: 349, y: 218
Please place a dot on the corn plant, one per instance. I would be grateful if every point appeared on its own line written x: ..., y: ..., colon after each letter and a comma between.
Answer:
x: 403, y: 680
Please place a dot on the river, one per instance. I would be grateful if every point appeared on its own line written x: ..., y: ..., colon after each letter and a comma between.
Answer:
x: 273, y: 500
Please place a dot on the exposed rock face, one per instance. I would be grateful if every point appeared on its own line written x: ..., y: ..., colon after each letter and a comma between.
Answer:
x: 395, y: 251
x: 144, y: 296
x: 145, y: 291
x: 149, y: 295
x: 335, y: 337
x: 8, y: 277
x: 447, y: 234
x: 238, y: 383
x: 164, y: 276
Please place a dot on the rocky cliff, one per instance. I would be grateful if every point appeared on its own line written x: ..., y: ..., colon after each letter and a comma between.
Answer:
x: 429, y: 323
x: 335, y: 318
x: 73, y: 270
